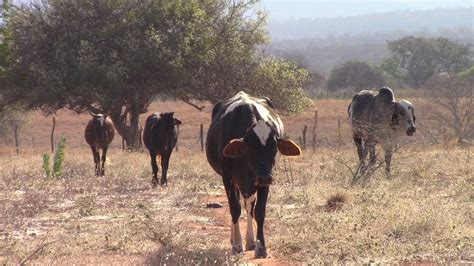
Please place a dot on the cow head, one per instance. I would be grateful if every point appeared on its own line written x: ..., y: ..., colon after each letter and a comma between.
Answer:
x: 404, y: 116
x: 168, y: 121
x: 260, y: 146
x: 99, y: 117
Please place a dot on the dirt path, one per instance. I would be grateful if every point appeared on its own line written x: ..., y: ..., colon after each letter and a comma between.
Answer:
x: 221, y: 216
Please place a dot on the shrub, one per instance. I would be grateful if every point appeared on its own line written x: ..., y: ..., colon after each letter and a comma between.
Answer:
x: 59, y: 157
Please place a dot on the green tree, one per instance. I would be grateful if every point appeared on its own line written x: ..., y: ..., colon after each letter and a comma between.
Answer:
x: 118, y: 56
x: 421, y: 58
x: 354, y: 75
x: 390, y: 71
x: 4, y: 37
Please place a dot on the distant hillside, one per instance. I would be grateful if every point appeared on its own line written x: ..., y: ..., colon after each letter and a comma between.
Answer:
x: 322, y: 54
x: 408, y: 21
x: 291, y: 9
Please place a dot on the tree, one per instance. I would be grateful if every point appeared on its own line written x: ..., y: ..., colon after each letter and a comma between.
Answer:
x: 354, y: 75
x: 118, y: 56
x: 452, y: 100
x: 421, y: 58
x: 4, y: 38
x: 390, y: 72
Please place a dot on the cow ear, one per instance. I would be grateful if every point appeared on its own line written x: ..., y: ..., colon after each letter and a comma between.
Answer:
x: 288, y: 147
x: 177, y: 121
x: 235, y: 148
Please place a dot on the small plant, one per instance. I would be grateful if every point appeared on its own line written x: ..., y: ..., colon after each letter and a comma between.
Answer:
x: 58, y: 160
x: 46, y: 165
x: 59, y: 157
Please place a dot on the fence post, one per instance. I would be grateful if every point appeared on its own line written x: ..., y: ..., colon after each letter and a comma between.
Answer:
x: 315, y: 126
x: 177, y: 139
x: 140, y: 143
x: 52, y: 134
x: 16, y: 139
x: 304, y: 136
x: 338, y: 133
x: 201, y: 133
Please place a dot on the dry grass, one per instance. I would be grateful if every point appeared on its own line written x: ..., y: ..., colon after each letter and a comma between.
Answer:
x: 423, y: 213
x: 314, y: 215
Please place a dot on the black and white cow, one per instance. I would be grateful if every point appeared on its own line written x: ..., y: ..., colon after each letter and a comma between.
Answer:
x: 160, y: 136
x: 379, y: 118
x: 242, y: 142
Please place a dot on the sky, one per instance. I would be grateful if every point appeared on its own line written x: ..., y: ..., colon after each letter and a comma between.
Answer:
x: 294, y: 9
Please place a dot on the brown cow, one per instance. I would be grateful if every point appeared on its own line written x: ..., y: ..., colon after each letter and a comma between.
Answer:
x: 99, y: 134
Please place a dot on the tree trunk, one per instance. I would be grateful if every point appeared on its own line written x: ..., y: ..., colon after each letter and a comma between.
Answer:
x: 126, y: 122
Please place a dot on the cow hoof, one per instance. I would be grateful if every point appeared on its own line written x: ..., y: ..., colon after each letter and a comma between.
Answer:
x: 237, y: 249
x: 154, y: 183
x: 260, y: 250
x: 165, y: 184
x: 250, y: 246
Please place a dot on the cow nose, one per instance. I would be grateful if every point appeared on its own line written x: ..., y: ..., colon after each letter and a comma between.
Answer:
x: 264, y: 180
x: 411, y: 131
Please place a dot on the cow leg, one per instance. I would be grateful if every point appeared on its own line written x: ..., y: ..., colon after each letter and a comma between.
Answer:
x: 104, y: 157
x: 235, y: 211
x: 369, y: 146
x: 165, y: 161
x: 96, y: 156
x: 388, y: 161
x: 262, y: 195
x: 249, y: 237
x: 360, y: 151
x: 373, y: 157
x: 360, y: 147
x: 154, y: 168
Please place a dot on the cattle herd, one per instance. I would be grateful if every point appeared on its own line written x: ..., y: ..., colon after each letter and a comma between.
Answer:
x: 243, y: 139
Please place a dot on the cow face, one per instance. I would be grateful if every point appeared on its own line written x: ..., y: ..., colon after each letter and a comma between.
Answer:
x: 99, y: 117
x: 404, y: 116
x: 168, y: 121
x: 99, y: 121
x: 260, y: 146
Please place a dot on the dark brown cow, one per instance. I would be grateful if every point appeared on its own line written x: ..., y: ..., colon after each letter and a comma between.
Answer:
x: 99, y: 134
x: 160, y: 136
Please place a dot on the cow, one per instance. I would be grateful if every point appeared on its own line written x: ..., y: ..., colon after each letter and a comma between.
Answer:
x: 99, y: 134
x: 242, y: 142
x: 160, y: 136
x: 376, y: 117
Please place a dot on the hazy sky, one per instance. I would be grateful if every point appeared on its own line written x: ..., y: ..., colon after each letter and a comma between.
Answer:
x: 290, y: 9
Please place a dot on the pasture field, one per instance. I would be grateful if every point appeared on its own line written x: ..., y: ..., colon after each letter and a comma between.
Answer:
x: 423, y: 214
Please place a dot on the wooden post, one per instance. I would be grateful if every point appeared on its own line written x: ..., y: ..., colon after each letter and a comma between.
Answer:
x: 338, y: 133
x: 304, y: 136
x: 52, y: 134
x: 177, y: 139
x: 140, y: 143
x: 201, y: 133
x: 315, y: 126
x: 17, y: 145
